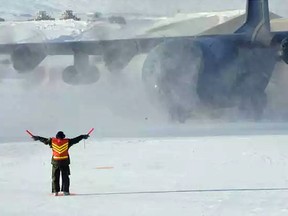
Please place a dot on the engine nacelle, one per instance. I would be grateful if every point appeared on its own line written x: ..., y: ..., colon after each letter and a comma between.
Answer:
x: 72, y: 76
x: 25, y: 58
x: 284, y: 50
x: 170, y: 73
x: 183, y: 72
x: 172, y: 64
x: 118, y: 55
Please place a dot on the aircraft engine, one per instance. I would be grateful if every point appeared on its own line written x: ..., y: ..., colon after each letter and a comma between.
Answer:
x: 26, y: 58
x: 284, y: 50
x: 170, y: 73
x: 73, y: 76
x: 118, y: 55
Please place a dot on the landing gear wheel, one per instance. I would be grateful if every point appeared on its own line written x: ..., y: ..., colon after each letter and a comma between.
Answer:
x: 72, y: 76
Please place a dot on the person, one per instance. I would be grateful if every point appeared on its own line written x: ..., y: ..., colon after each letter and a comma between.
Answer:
x: 60, y: 159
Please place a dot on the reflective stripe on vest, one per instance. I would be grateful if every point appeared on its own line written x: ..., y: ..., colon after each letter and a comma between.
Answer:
x: 60, y: 149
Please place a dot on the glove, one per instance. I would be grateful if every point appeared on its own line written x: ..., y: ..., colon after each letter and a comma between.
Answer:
x: 35, y: 138
x: 85, y: 136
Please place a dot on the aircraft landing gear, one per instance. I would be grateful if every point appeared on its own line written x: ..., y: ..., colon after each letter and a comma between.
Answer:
x: 81, y: 72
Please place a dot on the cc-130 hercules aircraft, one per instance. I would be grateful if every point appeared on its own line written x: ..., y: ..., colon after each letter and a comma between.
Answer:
x: 220, y: 70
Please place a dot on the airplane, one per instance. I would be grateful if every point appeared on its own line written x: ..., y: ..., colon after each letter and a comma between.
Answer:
x: 230, y: 70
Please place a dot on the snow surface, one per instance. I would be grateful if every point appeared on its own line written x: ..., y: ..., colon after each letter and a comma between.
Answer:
x: 201, y: 175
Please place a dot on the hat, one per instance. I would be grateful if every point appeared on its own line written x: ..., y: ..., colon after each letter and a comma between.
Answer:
x: 60, y: 135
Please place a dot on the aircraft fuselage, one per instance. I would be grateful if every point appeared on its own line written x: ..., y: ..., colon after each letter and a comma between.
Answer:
x: 230, y: 75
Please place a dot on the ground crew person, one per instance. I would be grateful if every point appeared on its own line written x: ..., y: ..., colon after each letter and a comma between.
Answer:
x: 60, y: 159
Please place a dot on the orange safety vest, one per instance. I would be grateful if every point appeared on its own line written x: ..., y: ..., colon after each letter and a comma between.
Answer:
x: 60, y: 149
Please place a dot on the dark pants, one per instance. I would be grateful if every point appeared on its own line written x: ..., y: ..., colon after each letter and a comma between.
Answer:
x: 65, y: 172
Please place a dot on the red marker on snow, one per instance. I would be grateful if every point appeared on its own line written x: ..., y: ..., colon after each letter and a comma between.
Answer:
x: 90, y: 131
x: 29, y: 133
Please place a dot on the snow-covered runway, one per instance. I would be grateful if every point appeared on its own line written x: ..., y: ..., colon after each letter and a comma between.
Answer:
x: 204, y: 175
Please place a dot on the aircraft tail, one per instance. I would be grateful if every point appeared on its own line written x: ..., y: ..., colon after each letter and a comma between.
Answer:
x: 257, y: 17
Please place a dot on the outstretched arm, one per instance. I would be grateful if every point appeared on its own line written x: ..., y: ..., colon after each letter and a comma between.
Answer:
x: 44, y: 140
x: 77, y: 139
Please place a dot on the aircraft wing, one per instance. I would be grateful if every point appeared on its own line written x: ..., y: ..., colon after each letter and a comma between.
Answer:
x: 140, y: 45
